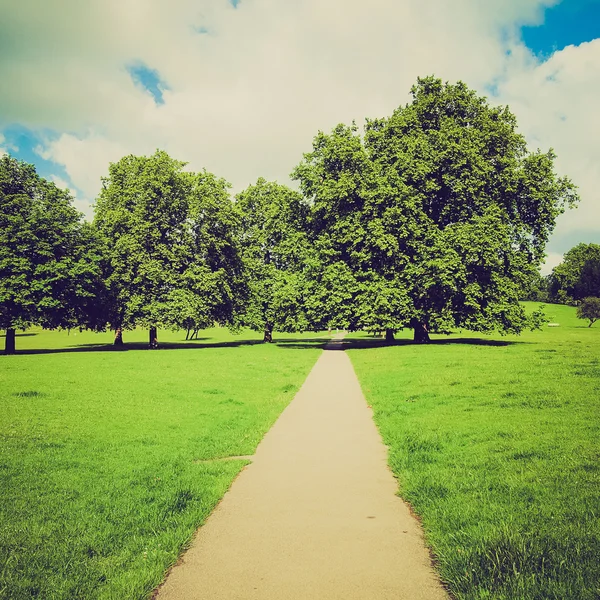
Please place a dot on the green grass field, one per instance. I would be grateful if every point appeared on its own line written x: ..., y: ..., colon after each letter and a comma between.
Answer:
x: 496, y: 444
x: 108, y: 459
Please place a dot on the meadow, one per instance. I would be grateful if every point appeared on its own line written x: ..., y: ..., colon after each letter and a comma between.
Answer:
x: 110, y: 459
x: 495, y: 442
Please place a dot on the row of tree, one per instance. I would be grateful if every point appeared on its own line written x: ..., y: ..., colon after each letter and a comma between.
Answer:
x: 575, y: 278
x: 433, y: 218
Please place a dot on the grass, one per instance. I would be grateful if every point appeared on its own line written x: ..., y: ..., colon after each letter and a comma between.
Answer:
x: 109, y: 459
x: 496, y: 445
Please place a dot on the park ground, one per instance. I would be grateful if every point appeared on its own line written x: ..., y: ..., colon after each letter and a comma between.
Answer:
x: 110, y: 460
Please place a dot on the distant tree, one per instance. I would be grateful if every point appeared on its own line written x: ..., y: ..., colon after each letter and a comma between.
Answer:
x: 537, y: 290
x: 588, y: 284
x: 273, y: 242
x: 173, y: 260
x: 577, y: 276
x: 438, y: 219
x: 49, y: 258
x: 589, y: 308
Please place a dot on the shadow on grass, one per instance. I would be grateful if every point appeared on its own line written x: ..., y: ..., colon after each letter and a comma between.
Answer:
x: 365, y: 343
x: 3, y: 335
x: 300, y: 343
x: 290, y: 343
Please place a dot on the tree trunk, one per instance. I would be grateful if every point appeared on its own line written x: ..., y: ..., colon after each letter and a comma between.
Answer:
x: 10, y: 345
x: 421, y: 335
x: 187, y: 334
x: 118, y: 337
x: 389, y: 335
x: 268, y: 337
x: 152, y: 338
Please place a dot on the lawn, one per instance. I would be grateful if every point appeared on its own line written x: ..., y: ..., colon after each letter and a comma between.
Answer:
x: 495, y: 442
x: 109, y: 460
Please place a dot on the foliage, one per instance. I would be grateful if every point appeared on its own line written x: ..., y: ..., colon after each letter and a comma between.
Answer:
x: 173, y: 261
x: 537, y: 289
x: 214, y: 285
x: 273, y: 243
x: 49, y: 259
x: 588, y: 283
x: 438, y: 219
x: 578, y: 275
x: 589, y: 308
x: 495, y: 444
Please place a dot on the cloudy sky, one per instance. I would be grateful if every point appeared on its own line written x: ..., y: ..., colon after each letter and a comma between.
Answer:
x: 240, y: 87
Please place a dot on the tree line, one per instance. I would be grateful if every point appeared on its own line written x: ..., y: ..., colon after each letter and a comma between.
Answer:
x: 433, y: 218
x: 577, y: 277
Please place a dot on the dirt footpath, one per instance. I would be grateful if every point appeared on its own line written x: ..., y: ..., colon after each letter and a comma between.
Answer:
x: 315, y: 516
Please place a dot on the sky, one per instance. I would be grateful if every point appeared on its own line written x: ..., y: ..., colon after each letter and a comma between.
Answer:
x: 241, y: 87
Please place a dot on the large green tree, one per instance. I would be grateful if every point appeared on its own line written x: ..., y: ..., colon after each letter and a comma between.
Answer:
x: 173, y: 259
x: 273, y: 241
x: 437, y: 218
x: 49, y: 258
x: 578, y: 275
x: 214, y: 286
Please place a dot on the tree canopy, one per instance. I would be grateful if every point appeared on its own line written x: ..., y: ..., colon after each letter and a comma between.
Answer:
x: 273, y: 242
x: 578, y: 275
x: 49, y: 259
x: 437, y: 218
x: 172, y: 254
x: 589, y: 308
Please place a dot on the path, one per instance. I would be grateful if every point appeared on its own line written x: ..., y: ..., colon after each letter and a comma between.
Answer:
x: 315, y: 516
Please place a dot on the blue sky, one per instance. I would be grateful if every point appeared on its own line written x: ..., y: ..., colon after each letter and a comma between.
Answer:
x: 148, y: 79
x: 571, y: 22
x: 24, y: 144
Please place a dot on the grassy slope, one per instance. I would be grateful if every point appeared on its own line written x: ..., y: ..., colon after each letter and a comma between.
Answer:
x: 102, y: 484
x: 497, y: 448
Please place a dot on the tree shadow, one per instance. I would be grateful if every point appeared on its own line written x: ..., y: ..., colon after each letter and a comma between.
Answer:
x: 479, y: 342
x: 295, y: 343
x: 303, y: 343
x: 317, y: 343
x: 127, y: 346
x: 365, y: 343
x: 3, y: 335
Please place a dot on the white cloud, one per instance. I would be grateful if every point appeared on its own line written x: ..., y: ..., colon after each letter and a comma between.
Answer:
x: 556, y: 105
x: 85, y: 159
x: 552, y: 260
x: 5, y: 146
x: 82, y: 206
x: 246, y: 99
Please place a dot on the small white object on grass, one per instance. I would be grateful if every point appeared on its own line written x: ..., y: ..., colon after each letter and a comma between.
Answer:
x: 553, y: 324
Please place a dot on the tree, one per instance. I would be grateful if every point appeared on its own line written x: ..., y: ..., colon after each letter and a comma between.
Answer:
x: 173, y: 261
x: 537, y: 290
x: 437, y: 219
x: 589, y: 308
x: 589, y: 280
x: 214, y: 284
x: 577, y: 276
x: 273, y: 242
x: 49, y: 259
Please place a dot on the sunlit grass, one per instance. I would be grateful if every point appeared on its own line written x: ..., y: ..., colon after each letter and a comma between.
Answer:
x: 497, y: 448
x: 107, y: 458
